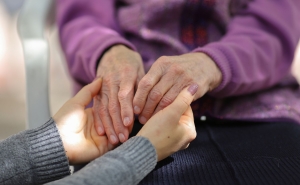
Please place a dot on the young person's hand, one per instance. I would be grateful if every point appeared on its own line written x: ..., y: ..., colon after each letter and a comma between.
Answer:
x: 121, y: 69
x: 172, y: 128
x: 168, y: 76
x: 76, y: 127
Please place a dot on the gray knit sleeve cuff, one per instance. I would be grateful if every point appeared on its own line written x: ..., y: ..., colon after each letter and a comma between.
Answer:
x: 141, y: 154
x: 47, y: 154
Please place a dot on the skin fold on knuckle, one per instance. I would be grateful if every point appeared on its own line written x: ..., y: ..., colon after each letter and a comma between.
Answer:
x: 177, y: 70
x: 165, y: 101
x: 164, y: 61
x: 123, y: 94
x: 145, y: 84
x: 146, y: 113
x: 155, y: 95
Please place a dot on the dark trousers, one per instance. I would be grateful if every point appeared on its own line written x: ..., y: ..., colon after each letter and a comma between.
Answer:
x: 234, y: 152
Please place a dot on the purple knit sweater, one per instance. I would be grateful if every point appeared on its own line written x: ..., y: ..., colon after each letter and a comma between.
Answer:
x: 251, y: 41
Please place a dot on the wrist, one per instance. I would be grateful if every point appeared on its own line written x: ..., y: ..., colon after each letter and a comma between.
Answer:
x: 214, y: 73
x: 109, y: 53
x: 66, y: 139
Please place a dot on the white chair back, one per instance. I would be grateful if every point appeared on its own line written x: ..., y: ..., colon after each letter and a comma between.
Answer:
x: 31, y: 28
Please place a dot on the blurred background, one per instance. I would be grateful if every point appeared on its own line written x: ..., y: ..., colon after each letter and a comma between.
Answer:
x: 12, y: 72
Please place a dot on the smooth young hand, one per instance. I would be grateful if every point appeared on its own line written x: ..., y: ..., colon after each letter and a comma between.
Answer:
x: 121, y: 69
x: 172, y: 128
x: 76, y: 127
x: 168, y: 76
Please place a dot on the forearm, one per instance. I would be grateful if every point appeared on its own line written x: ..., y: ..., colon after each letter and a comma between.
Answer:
x: 258, y: 48
x: 87, y: 34
x: 33, y: 157
x: 127, y: 164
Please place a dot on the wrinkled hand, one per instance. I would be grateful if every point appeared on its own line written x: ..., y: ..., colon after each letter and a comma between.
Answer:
x: 172, y: 128
x: 121, y: 69
x: 168, y: 76
x: 76, y: 127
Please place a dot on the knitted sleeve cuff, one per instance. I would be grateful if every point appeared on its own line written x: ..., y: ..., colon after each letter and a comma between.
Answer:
x: 141, y: 154
x: 47, y: 154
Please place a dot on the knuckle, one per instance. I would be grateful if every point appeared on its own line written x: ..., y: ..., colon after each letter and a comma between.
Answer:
x: 146, y: 84
x: 177, y: 69
x: 163, y: 60
x: 127, y: 69
x: 155, y: 95
x: 165, y: 101
x: 123, y: 94
x: 147, y: 113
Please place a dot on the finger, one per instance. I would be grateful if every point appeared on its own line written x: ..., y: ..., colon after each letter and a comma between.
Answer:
x: 98, y: 124
x: 168, y: 98
x: 183, y: 101
x: 106, y: 119
x: 125, y: 96
x: 144, y: 87
x: 86, y: 94
x: 189, y: 113
x: 154, y: 98
x: 190, y: 121
x: 115, y: 113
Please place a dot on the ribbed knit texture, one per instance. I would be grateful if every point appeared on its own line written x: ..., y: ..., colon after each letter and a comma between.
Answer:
x: 229, y: 153
x: 128, y: 164
x: 33, y: 157
x: 47, y: 155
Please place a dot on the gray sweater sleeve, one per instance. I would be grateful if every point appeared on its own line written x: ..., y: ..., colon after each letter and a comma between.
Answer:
x: 37, y: 156
x: 128, y: 164
x: 33, y: 157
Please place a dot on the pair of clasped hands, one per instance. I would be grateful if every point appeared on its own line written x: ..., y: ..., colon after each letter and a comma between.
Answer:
x: 126, y: 90
x: 161, y: 100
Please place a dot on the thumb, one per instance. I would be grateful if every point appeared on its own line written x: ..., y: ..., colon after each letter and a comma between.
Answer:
x: 183, y: 100
x: 86, y: 94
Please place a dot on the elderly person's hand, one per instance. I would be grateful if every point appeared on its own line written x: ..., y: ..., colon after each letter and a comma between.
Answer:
x: 76, y: 127
x: 172, y: 128
x: 168, y: 76
x: 121, y: 69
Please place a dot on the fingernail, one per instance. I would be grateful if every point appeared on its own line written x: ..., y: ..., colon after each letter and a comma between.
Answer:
x: 113, y: 139
x: 100, y: 130
x: 143, y: 120
x: 121, y: 137
x: 126, y: 121
x: 193, y: 89
x: 136, y: 110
